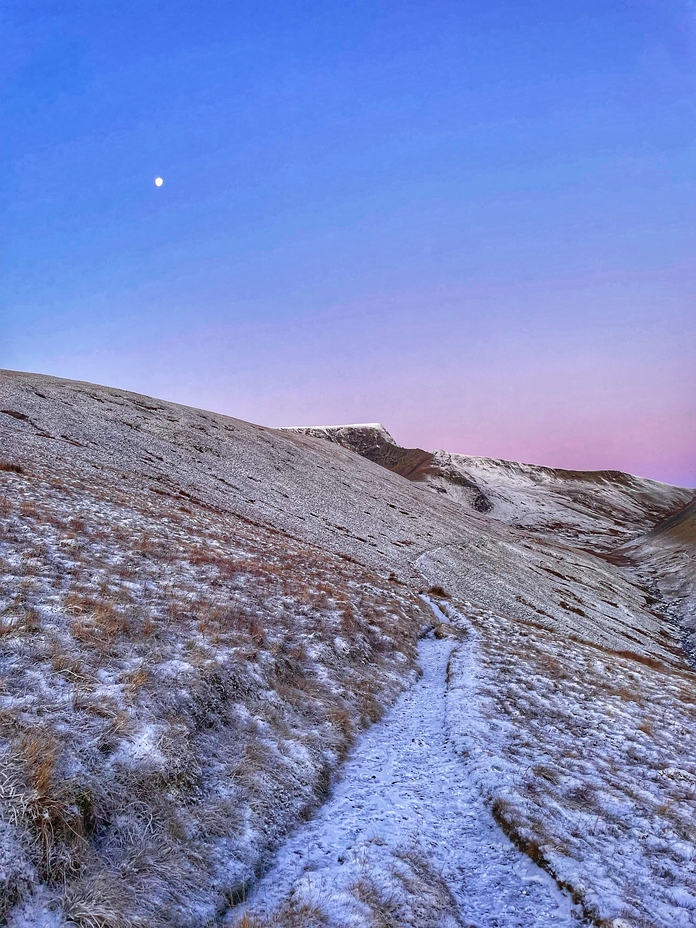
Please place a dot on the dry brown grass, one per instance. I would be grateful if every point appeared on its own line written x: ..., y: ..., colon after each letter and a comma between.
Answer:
x: 439, y: 592
x: 56, y: 813
x: 294, y: 914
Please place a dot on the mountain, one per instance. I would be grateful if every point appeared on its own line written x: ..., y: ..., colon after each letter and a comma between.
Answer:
x: 600, y: 508
x: 199, y: 616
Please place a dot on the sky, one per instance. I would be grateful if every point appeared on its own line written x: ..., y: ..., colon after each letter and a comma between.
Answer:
x: 472, y: 222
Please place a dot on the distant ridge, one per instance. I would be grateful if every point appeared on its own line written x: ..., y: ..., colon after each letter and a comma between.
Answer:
x: 600, y: 508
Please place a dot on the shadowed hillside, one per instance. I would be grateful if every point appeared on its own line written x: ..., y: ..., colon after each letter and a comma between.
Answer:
x: 667, y: 554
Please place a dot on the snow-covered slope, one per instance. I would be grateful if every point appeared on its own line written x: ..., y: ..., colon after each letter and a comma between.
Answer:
x: 319, y: 493
x: 600, y: 509
x: 407, y: 823
x: 199, y: 615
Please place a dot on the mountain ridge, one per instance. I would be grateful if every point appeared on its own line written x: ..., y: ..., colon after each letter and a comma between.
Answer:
x: 497, y: 486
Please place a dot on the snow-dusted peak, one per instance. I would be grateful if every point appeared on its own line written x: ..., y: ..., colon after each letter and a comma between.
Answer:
x: 349, y: 431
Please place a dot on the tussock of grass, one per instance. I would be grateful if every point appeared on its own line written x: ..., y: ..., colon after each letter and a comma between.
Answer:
x: 439, y: 592
x: 408, y: 894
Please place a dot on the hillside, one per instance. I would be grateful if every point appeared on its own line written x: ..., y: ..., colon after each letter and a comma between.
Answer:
x: 665, y: 555
x: 200, y: 615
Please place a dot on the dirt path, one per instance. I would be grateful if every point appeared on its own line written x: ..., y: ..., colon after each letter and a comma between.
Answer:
x: 406, y: 825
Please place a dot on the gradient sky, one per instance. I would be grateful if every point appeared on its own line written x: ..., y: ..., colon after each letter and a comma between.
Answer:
x: 474, y: 222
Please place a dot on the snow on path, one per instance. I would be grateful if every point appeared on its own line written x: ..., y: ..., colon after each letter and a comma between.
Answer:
x: 404, y: 787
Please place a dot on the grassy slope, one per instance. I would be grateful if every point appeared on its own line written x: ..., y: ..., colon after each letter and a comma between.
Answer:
x: 197, y: 617
x: 176, y: 694
x: 588, y: 763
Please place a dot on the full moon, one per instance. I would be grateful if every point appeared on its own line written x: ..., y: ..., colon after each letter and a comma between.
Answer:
x: 158, y: 182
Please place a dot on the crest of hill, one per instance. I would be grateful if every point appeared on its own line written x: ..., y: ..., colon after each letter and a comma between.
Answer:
x: 376, y: 444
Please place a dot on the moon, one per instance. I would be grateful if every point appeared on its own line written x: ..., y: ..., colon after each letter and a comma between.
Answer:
x: 158, y: 182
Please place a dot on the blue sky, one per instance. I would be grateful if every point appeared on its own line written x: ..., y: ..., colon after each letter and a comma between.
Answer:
x: 474, y: 222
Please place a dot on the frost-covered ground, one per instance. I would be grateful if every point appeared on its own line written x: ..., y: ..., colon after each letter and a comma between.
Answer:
x: 174, y: 697
x: 584, y: 759
x: 405, y: 836
x: 199, y: 616
x: 599, y: 509
x: 587, y: 760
